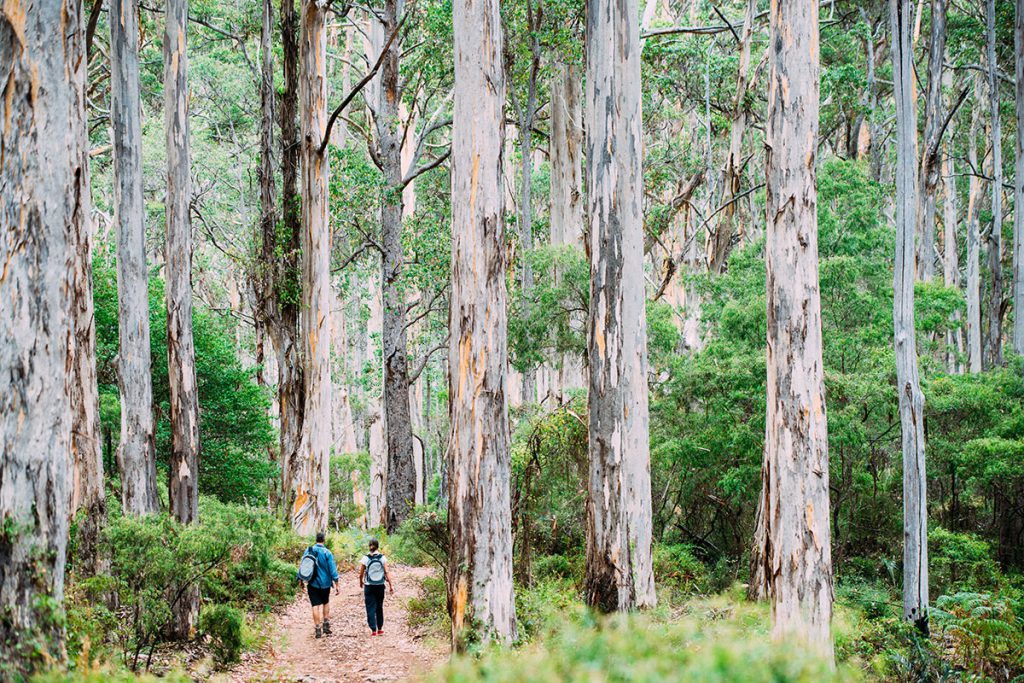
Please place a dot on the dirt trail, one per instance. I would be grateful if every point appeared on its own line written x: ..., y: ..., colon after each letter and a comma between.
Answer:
x: 350, y: 653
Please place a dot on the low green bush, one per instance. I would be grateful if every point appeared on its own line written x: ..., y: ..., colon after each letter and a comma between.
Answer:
x: 731, y: 647
x: 223, y: 625
x: 676, y: 567
x: 428, y: 611
x: 984, y: 634
x: 960, y: 562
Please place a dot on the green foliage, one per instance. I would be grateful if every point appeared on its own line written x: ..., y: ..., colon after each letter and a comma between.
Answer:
x: 343, y: 511
x: 237, y: 463
x: 733, y: 647
x: 985, y: 633
x: 960, y: 561
x: 223, y: 624
x: 676, y: 567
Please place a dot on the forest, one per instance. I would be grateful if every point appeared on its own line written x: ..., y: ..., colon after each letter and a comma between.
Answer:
x: 653, y: 340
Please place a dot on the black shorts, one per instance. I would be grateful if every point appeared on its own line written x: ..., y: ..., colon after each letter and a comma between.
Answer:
x: 318, y: 596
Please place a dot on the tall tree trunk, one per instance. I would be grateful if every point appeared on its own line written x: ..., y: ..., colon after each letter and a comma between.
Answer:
x: 908, y: 384
x: 480, y: 593
x: 619, y: 566
x: 994, y: 333
x: 136, y: 454
x: 377, y: 429
x: 291, y: 382
x: 309, y: 490
x: 721, y: 241
x: 795, y: 518
x: 44, y: 207
x: 930, y: 163
x: 974, y: 238
x: 950, y: 252
x: 566, y: 191
x: 183, y: 478
x: 88, y: 497
x: 401, y: 468
x: 1018, y: 187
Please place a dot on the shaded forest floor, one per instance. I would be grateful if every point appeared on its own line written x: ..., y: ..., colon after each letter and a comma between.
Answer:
x: 350, y: 653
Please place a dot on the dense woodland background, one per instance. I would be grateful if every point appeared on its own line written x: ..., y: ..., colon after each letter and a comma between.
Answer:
x: 235, y: 394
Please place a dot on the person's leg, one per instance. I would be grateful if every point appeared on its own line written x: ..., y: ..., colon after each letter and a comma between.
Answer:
x: 318, y: 615
x: 379, y: 599
x: 371, y: 608
x: 327, y: 616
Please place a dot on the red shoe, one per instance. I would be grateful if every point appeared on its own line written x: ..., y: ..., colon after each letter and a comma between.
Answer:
x: 373, y: 633
x: 381, y: 632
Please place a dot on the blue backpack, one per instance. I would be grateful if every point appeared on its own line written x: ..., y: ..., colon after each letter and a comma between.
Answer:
x: 307, y: 566
x: 375, y: 569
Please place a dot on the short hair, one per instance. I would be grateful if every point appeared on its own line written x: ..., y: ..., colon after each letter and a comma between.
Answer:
x: 320, y: 537
x: 374, y: 544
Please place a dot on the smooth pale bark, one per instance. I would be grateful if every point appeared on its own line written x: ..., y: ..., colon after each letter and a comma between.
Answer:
x: 88, y: 497
x: 183, y: 476
x: 291, y: 367
x: 798, y: 549
x: 721, y: 242
x: 950, y: 252
x: 1018, y: 187
x: 480, y: 593
x: 401, y: 466
x: 44, y: 204
x: 994, y: 330
x: 908, y: 383
x: 620, y: 575
x: 136, y: 455
x: 974, y: 239
x: 930, y: 163
x: 377, y: 445
x: 309, y: 475
x: 566, y: 188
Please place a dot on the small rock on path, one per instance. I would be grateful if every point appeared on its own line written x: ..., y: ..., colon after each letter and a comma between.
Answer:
x: 350, y: 653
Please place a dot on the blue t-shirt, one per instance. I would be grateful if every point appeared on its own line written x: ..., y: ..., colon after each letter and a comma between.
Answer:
x: 326, y: 569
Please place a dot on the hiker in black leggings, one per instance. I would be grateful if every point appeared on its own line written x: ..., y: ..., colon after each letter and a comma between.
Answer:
x: 373, y: 573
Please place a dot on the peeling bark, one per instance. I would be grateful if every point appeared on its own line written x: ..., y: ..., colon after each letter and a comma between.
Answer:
x: 1018, y: 186
x: 183, y: 477
x: 136, y: 455
x: 44, y: 207
x: 309, y: 476
x: 794, y: 521
x: 619, y: 565
x: 974, y: 240
x: 480, y: 592
x: 908, y: 383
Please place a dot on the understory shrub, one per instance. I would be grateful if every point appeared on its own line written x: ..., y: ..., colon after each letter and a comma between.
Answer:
x: 982, y: 633
x: 223, y: 625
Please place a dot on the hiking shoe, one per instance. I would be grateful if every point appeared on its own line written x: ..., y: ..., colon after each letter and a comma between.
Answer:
x: 318, y: 632
x: 327, y: 628
x: 380, y: 632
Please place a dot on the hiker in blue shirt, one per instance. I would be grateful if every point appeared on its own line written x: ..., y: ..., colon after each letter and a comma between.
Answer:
x: 318, y: 574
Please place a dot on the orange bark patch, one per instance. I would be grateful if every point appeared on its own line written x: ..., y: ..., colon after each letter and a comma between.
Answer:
x: 809, y: 513
x: 459, y: 604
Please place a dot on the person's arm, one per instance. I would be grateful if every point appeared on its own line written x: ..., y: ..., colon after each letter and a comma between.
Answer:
x: 387, y: 577
x: 362, y: 572
x: 336, y: 580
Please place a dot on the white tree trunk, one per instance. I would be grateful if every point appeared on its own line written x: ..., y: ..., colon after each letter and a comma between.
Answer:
x: 974, y: 240
x: 183, y: 478
x: 136, y: 454
x: 309, y: 481
x: 994, y: 332
x: 566, y: 190
x: 1018, y: 187
x: 480, y: 593
x: 43, y: 207
x: 908, y: 384
x: 797, y: 554
x: 930, y: 163
x: 950, y: 252
x: 619, y: 566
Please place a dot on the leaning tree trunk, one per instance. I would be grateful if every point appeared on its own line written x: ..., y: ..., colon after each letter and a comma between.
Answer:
x: 401, y: 467
x: 797, y: 554
x: 908, y: 384
x: 136, y: 454
x: 930, y: 162
x: 620, y: 575
x: 994, y: 332
x: 1018, y: 188
x: 566, y: 189
x: 290, y: 364
x: 88, y: 497
x: 183, y: 477
x: 310, y: 474
x: 480, y: 595
x: 44, y: 206
x: 974, y: 239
